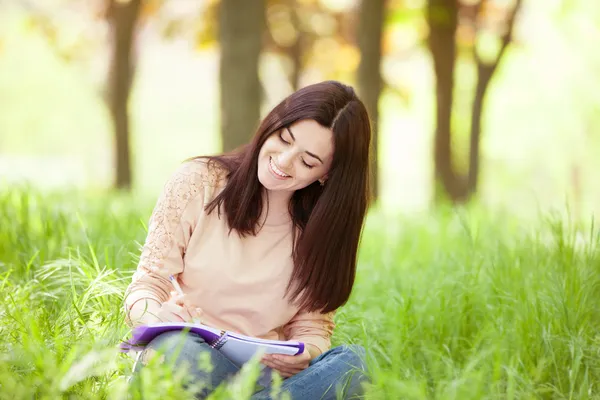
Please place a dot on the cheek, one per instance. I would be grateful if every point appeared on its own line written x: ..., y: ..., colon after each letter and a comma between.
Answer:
x: 269, y: 148
x: 308, y: 175
x: 266, y: 150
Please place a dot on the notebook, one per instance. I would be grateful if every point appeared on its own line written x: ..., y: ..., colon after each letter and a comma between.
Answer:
x: 238, y: 348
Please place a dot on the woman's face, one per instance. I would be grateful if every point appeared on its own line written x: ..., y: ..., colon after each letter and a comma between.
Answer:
x: 296, y: 156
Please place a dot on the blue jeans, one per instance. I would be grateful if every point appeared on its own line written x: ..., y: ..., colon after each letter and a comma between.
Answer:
x: 340, y: 370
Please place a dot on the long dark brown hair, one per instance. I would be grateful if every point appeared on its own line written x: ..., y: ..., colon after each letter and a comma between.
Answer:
x: 329, y: 218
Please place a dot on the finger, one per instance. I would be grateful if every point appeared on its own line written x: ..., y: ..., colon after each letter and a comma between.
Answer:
x: 185, y: 312
x: 286, y: 367
x: 289, y: 360
x: 172, y: 307
x: 285, y: 375
x: 191, y: 314
x: 268, y: 364
x: 188, y: 313
x: 175, y: 297
x: 189, y: 310
x: 169, y: 310
x: 274, y: 368
x: 273, y: 360
x: 195, y: 312
x: 167, y: 316
x: 279, y: 368
x: 175, y: 300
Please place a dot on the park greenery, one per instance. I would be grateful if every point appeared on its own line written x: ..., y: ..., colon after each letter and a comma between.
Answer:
x: 479, y: 265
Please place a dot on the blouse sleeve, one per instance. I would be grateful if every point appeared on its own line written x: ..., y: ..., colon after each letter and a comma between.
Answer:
x: 312, y: 328
x: 169, y: 231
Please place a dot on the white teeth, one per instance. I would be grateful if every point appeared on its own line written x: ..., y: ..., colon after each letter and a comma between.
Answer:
x: 277, y: 170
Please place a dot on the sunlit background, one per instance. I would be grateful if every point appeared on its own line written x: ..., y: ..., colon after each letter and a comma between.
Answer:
x: 541, y: 123
x: 450, y: 302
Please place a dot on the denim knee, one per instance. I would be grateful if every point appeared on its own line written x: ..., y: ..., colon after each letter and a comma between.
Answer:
x: 174, y: 346
x: 352, y: 354
x: 174, y: 339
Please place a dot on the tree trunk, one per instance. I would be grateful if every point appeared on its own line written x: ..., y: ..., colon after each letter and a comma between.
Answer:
x: 483, y: 80
x: 296, y: 51
x: 240, y: 31
x: 485, y: 72
x: 123, y: 17
x: 442, y: 16
x: 369, y: 74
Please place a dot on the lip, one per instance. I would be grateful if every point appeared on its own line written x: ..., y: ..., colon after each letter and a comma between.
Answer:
x: 274, y: 173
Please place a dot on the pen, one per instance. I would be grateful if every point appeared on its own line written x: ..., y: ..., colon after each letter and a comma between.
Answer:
x: 176, y: 285
x: 180, y: 292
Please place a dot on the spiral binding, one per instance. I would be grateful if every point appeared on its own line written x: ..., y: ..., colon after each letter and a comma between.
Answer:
x: 217, y: 344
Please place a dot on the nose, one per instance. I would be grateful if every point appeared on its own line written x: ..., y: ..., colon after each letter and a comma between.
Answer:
x: 285, y: 159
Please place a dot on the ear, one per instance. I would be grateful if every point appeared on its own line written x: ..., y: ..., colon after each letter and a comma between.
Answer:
x: 323, y: 180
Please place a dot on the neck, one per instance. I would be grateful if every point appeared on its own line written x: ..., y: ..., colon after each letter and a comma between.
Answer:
x: 277, y: 208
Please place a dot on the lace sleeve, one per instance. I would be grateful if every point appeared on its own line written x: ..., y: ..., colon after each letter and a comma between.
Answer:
x: 312, y: 328
x: 169, y: 230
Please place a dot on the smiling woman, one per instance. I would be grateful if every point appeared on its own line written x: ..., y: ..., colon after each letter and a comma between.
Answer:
x: 286, y: 161
x: 263, y: 241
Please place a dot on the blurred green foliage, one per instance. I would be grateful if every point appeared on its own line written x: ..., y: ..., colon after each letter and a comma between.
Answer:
x: 540, y: 128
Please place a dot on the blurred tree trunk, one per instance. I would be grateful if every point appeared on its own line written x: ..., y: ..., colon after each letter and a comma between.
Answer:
x: 296, y: 51
x: 485, y: 72
x: 123, y: 16
x: 442, y: 17
x: 369, y: 75
x: 240, y: 32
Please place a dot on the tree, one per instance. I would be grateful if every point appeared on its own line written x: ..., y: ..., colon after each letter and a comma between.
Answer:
x: 123, y: 16
x: 443, y: 19
x: 369, y: 74
x: 296, y: 50
x: 240, y: 33
x: 312, y: 35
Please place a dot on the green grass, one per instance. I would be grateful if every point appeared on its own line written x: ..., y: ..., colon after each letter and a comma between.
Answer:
x: 452, y: 305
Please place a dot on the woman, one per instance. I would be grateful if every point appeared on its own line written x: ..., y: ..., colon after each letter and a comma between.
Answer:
x: 263, y: 241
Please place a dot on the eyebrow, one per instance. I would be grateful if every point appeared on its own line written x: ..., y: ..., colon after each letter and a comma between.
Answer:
x: 307, y: 152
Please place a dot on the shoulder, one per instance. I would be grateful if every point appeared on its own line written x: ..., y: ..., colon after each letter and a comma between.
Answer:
x: 198, y: 173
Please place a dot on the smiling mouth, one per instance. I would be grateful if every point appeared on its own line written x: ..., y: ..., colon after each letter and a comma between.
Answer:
x: 275, y: 170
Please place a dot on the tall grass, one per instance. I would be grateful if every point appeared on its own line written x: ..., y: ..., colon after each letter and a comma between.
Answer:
x: 455, y: 305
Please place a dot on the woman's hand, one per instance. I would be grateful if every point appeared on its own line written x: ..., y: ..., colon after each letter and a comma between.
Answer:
x: 143, y: 312
x: 287, y: 365
x: 179, y: 309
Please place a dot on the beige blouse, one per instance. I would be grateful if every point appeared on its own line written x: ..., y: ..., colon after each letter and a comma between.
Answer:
x: 239, y: 283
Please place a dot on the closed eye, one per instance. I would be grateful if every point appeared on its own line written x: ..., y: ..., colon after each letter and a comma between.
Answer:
x: 307, y: 165
x: 282, y: 139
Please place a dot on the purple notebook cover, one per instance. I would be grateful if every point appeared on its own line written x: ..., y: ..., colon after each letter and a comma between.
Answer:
x: 142, y: 335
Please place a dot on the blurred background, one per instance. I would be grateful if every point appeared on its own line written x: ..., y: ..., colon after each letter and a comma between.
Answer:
x: 496, y: 101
